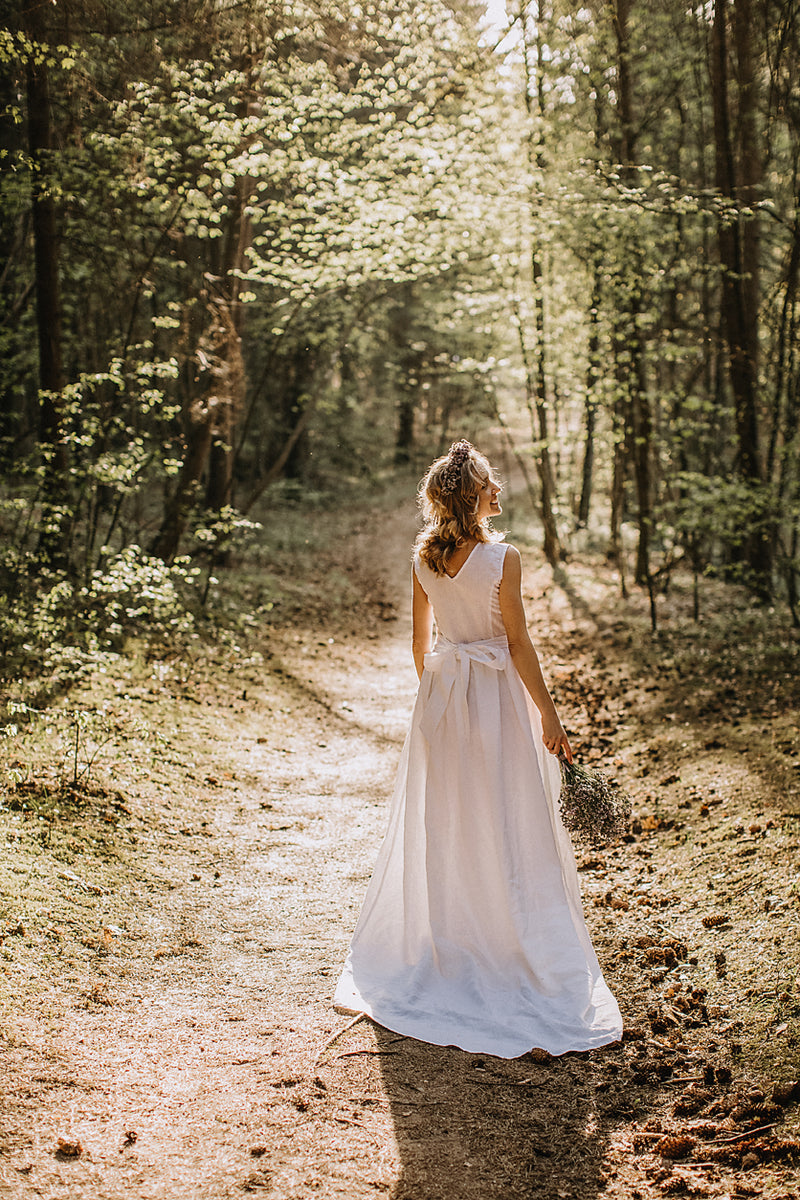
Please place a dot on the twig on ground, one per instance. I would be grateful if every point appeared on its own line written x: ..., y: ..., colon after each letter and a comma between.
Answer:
x: 358, y: 1125
x: 339, y: 1033
x: 353, y: 1053
x: 738, y: 1137
x: 93, y: 888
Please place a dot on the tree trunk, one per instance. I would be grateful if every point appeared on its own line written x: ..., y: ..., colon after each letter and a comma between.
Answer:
x: 635, y: 382
x: 791, y: 575
x: 520, y: 461
x: 45, y: 239
x: 539, y: 434
x: 738, y: 250
x: 197, y: 424
x: 237, y: 242
x: 553, y: 549
x: 788, y: 415
x: 278, y: 467
x: 622, y: 438
x: 54, y: 536
x: 750, y: 171
x: 536, y: 368
x: 786, y: 381
x: 228, y: 403
x: 399, y: 332
x: 593, y: 371
x: 620, y: 14
x: 212, y: 385
x: 642, y: 423
x: 404, y: 437
x: 739, y: 318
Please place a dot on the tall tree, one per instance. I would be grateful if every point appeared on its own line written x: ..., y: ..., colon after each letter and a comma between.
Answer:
x: 630, y: 348
x: 738, y: 172
x: 532, y: 24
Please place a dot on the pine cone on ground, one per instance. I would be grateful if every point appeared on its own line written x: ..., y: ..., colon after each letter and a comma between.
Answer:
x: 655, y: 954
x: 680, y: 1185
x: 767, y: 1112
x: 692, y: 1100
x: 674, y: 1186
x: 706, y: 1130
x: 674, y: 1145
x: 678, y: 948
x: 642, y: 1142
x: 785, y: 1150
x: 732, y: 1155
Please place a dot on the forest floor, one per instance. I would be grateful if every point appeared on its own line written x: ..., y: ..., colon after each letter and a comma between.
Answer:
x: 172, y: 936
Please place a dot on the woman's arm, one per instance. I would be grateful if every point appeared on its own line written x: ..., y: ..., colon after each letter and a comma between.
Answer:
x: 421, y: 623
x: 524, y: 656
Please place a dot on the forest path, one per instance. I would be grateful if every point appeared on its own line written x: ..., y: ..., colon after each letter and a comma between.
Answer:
x: 166, y: 1011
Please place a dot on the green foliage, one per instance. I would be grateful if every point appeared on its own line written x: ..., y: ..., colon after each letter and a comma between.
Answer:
x: 301, y: 242
x: 59, y: 630
x: 713, y: 517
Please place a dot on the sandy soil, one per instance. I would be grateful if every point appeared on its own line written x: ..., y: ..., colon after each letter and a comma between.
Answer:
x: 170, y: 942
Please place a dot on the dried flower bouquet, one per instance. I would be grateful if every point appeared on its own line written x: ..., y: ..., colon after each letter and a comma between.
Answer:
x: 594, y: 809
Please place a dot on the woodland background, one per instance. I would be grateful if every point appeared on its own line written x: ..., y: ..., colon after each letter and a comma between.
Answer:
x: 260, y: 260
x: 256, y: 253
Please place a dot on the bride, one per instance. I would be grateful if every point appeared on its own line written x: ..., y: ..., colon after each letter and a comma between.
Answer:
x: 472, y: 932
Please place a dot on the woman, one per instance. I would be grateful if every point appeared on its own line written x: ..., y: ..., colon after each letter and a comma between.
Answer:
x: 472, y: 932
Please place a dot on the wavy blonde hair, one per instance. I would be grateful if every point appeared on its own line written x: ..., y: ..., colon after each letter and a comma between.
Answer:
x: 448, y: 498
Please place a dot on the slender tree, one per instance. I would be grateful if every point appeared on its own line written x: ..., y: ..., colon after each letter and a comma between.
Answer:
x: 531, y: 21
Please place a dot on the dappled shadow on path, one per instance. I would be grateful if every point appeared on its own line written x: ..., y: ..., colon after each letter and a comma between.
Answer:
x: 471, y: 1126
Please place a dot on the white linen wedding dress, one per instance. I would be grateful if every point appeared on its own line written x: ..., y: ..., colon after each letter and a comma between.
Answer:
x: 472, y: 932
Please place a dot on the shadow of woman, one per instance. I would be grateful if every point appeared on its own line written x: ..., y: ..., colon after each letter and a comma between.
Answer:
x: 469, y: 1126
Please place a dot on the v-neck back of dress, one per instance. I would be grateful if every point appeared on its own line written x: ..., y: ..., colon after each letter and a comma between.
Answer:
x: 464, y: 563
x: 467, y: 605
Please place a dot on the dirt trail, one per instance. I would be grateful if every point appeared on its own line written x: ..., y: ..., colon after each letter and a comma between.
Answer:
x: 169, y: 956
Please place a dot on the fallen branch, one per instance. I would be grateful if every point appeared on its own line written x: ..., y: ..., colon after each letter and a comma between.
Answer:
x: 93, y: 888
x: 353, y: 1053
x: 738, y: 1137
x: 339, y: 1033
x: 358, y: 1125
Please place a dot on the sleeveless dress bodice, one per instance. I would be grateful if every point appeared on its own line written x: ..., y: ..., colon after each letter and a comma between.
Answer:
x: 467, y: 605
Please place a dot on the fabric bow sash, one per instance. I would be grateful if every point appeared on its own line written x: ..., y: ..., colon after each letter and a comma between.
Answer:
x: 449, y: 664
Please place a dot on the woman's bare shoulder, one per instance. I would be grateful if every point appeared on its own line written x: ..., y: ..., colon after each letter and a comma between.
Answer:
x: 511, y: 557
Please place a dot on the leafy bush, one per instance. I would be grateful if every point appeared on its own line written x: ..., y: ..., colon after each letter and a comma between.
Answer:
x: 51, y: 625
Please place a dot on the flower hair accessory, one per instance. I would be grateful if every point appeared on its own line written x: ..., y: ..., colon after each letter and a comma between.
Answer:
x: 457, y: 455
